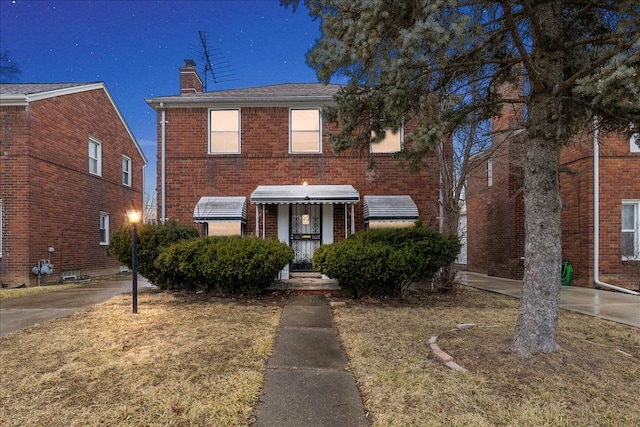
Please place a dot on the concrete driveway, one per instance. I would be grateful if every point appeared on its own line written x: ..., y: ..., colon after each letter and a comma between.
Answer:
x: 22, y: 312
x: 615, y: 306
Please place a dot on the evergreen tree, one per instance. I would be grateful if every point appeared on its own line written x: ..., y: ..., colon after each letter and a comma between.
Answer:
x: 441, y: 62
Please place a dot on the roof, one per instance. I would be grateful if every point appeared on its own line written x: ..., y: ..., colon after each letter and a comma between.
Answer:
x: 280, y: 94
x: 316, y: 194
x: 221, y: 209
x: 22, y: 94
x: 388, y: 208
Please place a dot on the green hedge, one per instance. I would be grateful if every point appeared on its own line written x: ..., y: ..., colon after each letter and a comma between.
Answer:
x: 386, y: 261
x: 229, y: 265
x: 151, y: 240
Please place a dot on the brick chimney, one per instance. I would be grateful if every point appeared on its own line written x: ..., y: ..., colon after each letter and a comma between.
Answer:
x: 190, y: 81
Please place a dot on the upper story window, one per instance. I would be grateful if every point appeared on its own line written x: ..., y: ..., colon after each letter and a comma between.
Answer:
x: 126, y: 171
x: 304, y: 131
x: 634, y: 142
x: 391, y: 143
x: 224, y: 131
x: 631, y: 230
x: 104, y: 228
x: 95, y: 157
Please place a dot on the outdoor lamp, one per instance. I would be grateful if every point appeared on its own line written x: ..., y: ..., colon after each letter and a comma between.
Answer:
x: 134, y: 217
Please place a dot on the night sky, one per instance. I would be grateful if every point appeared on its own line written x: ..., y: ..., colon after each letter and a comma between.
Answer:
x: 136, y: 48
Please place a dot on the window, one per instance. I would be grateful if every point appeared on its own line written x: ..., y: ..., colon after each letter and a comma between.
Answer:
x: 634, y: 142
x: 95, y: 157
x: 391, y: 143
x: 126, y: 171
x: 104, y: 228
x: 305, y: 132
x: 631, y: 230
x: 224, y: 131
x: 489, y: 173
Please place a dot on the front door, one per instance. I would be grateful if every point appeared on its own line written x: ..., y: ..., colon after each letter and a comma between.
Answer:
x: 305, y: 234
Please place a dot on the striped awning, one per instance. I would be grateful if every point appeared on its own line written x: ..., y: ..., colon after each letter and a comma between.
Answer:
x: 389, y: 208
x: 221, y: 209
x: 317, y: 194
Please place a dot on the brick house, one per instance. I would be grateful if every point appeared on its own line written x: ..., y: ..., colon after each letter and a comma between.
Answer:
x: 600, y: 190
x: 69, y: 168
x: 257, y: 161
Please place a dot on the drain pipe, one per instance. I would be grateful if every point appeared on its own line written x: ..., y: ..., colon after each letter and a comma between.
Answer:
x: 163, y: 165
x: 596, y: 215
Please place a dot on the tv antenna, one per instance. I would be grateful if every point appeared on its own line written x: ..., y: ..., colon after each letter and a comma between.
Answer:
x: 221, y: 72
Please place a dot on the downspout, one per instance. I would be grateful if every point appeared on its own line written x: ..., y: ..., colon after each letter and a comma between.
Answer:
x: 596, y: 215
x: 163, y: 164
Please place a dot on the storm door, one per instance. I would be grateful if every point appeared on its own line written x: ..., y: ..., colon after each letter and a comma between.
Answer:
x: 305, y: 234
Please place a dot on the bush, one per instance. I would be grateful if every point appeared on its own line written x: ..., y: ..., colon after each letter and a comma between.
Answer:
x: 386, y: 261
x: 234, y: 265
x: 151, y: 240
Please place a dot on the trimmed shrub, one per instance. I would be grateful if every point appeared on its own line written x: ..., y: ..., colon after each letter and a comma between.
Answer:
x: 233, y: 265
x: 151, y: 240
x: 386, y: 261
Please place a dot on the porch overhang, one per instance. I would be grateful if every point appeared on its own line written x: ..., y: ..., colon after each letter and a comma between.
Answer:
x: 315, y: 194
x: 389, y: 208
x: 224, y: 209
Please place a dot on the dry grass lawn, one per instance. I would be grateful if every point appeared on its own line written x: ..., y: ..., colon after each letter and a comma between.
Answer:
x: 181, y: 361
x: 593, y: 381
x: 33, y: 290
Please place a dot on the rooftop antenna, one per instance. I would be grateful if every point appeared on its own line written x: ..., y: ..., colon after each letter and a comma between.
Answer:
x: 222, y: 72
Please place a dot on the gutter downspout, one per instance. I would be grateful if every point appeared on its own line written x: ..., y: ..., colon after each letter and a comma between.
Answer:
x: 163, y: 165
x: 596, y: 215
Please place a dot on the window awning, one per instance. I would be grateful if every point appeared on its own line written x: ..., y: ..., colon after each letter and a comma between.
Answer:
x: 317, y: 194
x: 221, y: 209
x: 389, y: 208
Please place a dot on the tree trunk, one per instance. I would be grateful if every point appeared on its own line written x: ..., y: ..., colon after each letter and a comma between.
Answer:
x: 538, y: 318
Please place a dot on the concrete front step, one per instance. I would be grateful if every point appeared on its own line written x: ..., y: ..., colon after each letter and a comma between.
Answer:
x: 305, y: 284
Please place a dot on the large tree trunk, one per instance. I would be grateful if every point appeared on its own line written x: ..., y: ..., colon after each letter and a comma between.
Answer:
x: 538, y: 318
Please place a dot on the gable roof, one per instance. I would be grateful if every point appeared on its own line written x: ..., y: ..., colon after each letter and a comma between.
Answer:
x: 22, y: 94
x: 271, y: 95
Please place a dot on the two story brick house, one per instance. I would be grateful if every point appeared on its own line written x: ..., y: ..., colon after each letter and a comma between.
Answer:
x: 69, y: 168
x: 257, y: 161
x: 600, y: 190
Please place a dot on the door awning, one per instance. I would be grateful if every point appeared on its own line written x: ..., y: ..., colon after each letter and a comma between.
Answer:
x: 221, y: 209
x: 317, y: 194
x: 389, y: 208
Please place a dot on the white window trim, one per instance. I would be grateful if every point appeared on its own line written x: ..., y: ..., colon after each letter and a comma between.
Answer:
x: 401, y: 131
x: 319, y: 110
x: 489, y: 172
x: 636, y: 231
x: 209, y: 147
x: 633, y: 143
x: 128, y: 172
x: 104, y: 215
x: 98, y: 144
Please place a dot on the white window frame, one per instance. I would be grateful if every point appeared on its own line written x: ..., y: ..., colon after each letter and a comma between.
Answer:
x: 319, y: 131
x: 635, y: 230
x: 211, y: 131
x: 634, y: 141
x: 489, y: 172
x: 126, y: 171
x: 373, y: 146
x: 104, y: 228
x: 98, y: 157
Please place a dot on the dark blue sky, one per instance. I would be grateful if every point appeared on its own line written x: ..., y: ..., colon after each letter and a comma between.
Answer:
x: 136, y: 48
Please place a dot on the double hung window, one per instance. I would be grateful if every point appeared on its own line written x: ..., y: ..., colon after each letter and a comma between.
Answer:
x: 631, y: 230
x: 304, y: 131
x: 224, y: 131
x: 95, y: 157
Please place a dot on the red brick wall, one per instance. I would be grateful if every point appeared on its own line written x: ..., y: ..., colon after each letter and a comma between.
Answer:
x: 49, y: 198
x: 265, y: 160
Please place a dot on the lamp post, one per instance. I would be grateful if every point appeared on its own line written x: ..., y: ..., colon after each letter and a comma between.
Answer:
x: 134, y: 217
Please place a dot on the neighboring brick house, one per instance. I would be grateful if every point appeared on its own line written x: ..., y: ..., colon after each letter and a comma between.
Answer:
x: 495, y: 208
x: 69, y: 168
x: 257, y: 161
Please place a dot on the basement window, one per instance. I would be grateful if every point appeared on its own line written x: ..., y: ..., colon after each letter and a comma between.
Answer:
x: 631, y: 230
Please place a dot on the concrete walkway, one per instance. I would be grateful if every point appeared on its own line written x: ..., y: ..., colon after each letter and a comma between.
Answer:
x: 307, y: 382
x: 22, y: 312
x: 615, y: 306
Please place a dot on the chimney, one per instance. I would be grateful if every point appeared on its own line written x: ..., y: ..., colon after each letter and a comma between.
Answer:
x: 190, y: 81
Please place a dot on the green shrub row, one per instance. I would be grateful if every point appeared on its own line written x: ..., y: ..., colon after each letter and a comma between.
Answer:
x: 230, y: 265
x: 151, y: 239
x: 386, y: 261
